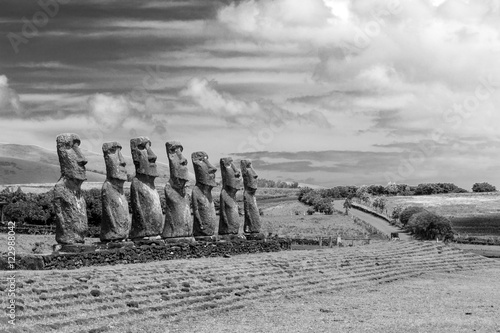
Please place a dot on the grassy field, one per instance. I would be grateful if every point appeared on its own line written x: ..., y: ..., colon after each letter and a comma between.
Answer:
x: 471, y: 214
x: 340, y: 289
x: 452, y: 205
x: 281, y: 219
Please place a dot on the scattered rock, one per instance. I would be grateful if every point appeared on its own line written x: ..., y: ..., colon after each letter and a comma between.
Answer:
x: 95, y: 292
x: 133, y: 304
x: 186, y: 284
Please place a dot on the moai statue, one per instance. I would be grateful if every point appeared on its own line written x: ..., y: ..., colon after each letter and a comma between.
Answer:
x: 147, y: 216
x: 115, y: 222
x: 252, y: 217
x: 69, y: 203
x: 229, y: 224
x: 178, y: 220
x: 204, y: 221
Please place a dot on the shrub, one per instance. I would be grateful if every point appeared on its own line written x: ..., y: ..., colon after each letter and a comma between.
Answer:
x: 328, y: 210
x: 397, y: 211
x: 379, y: 203
x: 311, y: 211
x: 483, y: 187
x: 437, y: 188
x: 406, y: 214
x: 94, y: 206
x: 427, y: 225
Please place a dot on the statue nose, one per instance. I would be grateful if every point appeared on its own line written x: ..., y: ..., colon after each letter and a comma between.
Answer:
x: 151, y: 156
x: 82, y: 162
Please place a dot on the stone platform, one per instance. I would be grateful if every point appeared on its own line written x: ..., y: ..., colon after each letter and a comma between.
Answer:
x: 142, y: 252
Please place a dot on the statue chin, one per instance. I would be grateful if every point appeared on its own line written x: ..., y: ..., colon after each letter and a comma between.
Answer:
x: 77, y: 175
x: 120, y: 176
x: 209, y: 183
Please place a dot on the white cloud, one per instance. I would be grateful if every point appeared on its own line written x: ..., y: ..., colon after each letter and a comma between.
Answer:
x: 9, y: 99
x: 202, y: 92
x: 205, y: 95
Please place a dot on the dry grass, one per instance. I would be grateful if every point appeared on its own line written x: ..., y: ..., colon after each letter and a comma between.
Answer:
x: 281, y: 219
x: 182, y: 295
x: 452, y: 205
x: 436, y: 302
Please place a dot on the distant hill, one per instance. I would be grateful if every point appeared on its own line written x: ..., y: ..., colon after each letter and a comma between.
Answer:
x: 17, y: 171
x: 27, y: 164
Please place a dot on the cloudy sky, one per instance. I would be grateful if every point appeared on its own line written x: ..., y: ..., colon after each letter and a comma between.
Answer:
x: 326, y: 92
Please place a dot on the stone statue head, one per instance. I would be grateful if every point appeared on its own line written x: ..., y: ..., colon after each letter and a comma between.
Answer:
x: 203, y: 170
x: 143, y: 156
x: 249, y: 175
x: 178, y: 163
x: 71, y: 157
x: 115, y: 163
x: 230, y: 175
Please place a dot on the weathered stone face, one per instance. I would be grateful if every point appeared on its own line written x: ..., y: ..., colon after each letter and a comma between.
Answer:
x: 252, y: 218
x: 143, y: 156
x: 115, y: 222
x: 177, y: 162
x: 178, y: 219
x: 249, y: 175
x: 230, y: 174
x: 71, y: 158
x: 115, y: 163
x: 69, y: 204
x: 204, y: 171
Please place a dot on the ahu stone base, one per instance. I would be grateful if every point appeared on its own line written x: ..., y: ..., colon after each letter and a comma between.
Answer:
x: 142, y: 252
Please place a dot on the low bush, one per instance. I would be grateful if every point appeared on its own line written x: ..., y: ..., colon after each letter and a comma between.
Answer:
x: 396, y: 212
x: 407, y: 213
x: 426, y: 225
x: 483, y: 187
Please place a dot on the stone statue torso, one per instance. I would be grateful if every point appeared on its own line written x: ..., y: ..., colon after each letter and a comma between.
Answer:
x: 204, y: 222
x: 228, y: 217
x: 252, y: 217
x: 71, y: 215
x: 116, y: 221
x: 147, y: 216
x: 178, y: 220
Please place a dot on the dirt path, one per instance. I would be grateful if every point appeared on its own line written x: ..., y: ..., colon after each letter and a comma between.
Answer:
x: 378, y: 223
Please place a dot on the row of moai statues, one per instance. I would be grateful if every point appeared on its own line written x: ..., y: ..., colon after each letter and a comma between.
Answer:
x: 147, y: 220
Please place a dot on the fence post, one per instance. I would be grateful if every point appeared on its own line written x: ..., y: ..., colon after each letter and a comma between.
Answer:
x: 320, y: 241
x: 331, y: 242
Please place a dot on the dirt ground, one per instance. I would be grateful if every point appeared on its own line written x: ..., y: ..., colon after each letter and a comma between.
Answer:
x: 467, y: 301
